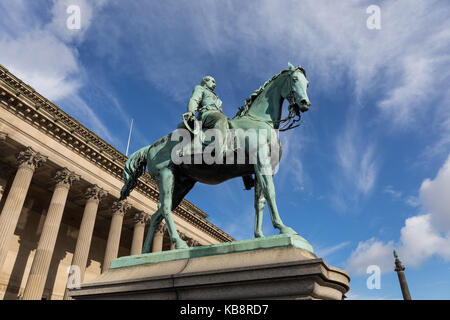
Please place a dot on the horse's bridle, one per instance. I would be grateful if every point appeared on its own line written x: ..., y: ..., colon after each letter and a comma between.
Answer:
x: 294, y: 108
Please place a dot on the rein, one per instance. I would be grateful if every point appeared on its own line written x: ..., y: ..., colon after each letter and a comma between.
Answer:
x: 291, y: 119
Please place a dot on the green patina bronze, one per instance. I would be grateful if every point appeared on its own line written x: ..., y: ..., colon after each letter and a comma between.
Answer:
x: 213, y: 250
x: 261, y: 111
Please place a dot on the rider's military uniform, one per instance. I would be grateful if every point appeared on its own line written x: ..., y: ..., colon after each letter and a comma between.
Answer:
x: 206, y: 99
x: 209, y: 107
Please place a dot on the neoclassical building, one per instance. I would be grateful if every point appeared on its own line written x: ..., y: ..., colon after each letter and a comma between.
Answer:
x: 60, y: 217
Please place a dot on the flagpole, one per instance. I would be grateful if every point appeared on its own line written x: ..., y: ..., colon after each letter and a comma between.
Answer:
x: 129, y: 138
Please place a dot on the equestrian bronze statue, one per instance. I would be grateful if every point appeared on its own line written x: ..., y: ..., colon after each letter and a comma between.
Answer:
x: 171, y: 166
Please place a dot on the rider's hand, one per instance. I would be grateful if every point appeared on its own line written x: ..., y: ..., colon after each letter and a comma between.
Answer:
x: 191, y: 116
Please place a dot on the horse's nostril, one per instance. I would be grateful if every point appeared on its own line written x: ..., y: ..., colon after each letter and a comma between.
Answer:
x: 307, y: 103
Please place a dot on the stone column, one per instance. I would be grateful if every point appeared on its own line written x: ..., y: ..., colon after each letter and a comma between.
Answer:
x: 119, y: 209
x: 93, y: 196
x: 44, y: 252
x: 28, y: 161
x: 140, y: 220
x: 157, y: 243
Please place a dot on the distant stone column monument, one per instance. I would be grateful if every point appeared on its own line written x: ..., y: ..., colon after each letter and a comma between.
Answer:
x: 400, y: 269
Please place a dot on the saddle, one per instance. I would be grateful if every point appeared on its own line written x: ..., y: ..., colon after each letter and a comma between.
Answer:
x: 248, y: 180
x: 193, y: 133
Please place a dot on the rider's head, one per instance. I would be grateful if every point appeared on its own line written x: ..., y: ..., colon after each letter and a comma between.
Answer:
x: 208, y: 82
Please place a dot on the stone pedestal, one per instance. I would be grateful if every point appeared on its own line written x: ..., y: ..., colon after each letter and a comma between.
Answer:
x: 277, y: 267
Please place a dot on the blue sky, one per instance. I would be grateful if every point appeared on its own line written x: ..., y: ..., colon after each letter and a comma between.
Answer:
x: 369, y: 171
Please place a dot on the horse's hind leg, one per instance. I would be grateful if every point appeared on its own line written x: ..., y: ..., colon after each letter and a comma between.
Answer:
x: 260, y: 203
x: 180, y: 189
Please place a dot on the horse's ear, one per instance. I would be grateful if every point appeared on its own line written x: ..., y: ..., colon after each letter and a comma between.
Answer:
x: 291, y: 67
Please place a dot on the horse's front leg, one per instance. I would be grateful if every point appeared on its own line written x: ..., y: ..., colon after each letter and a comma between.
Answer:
x: 154, y: 223
x: 260, y: 203
x: 268, y: 190
x: 166, y: 182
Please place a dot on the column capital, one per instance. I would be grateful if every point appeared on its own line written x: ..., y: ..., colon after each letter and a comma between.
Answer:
x: 141, y: 218
x: 192, y: 242
x: 30, y: 158
x: 161, y: 228
x: 94, y: 192
x: 120, y: 207
x: 3, y: 136
x: 398, y: 263
x: 183, y: 236
x: 65, y: 178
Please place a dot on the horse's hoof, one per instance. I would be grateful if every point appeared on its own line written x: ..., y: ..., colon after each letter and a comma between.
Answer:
x: 287, y: 230
x: 181, y: 244
x: 259, y: 235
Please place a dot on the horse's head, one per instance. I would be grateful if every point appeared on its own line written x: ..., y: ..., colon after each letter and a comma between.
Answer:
x: 295, y: 89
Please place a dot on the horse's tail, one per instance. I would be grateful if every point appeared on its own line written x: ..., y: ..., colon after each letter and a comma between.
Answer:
x: 133, y: 169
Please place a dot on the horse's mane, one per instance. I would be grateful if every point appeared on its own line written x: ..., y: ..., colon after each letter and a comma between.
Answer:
x: 248, y: 102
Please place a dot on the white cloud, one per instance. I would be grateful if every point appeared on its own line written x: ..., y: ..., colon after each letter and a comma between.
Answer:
x: 420, y: 240
x: 58, y: 25
x: 422, y: 236
x: 324, y: 252
x: 412, y: 201
x: 398, y: 67
x: 401, y: 61
x: 356, y: 159
x: 394, y: 193
x: 435, y: 196
x: 40, y: 52
x: 42, y: 61
x: 397, y: 195
x: 367, y: 171
x: 403, y: 102
x: 371, y: 252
